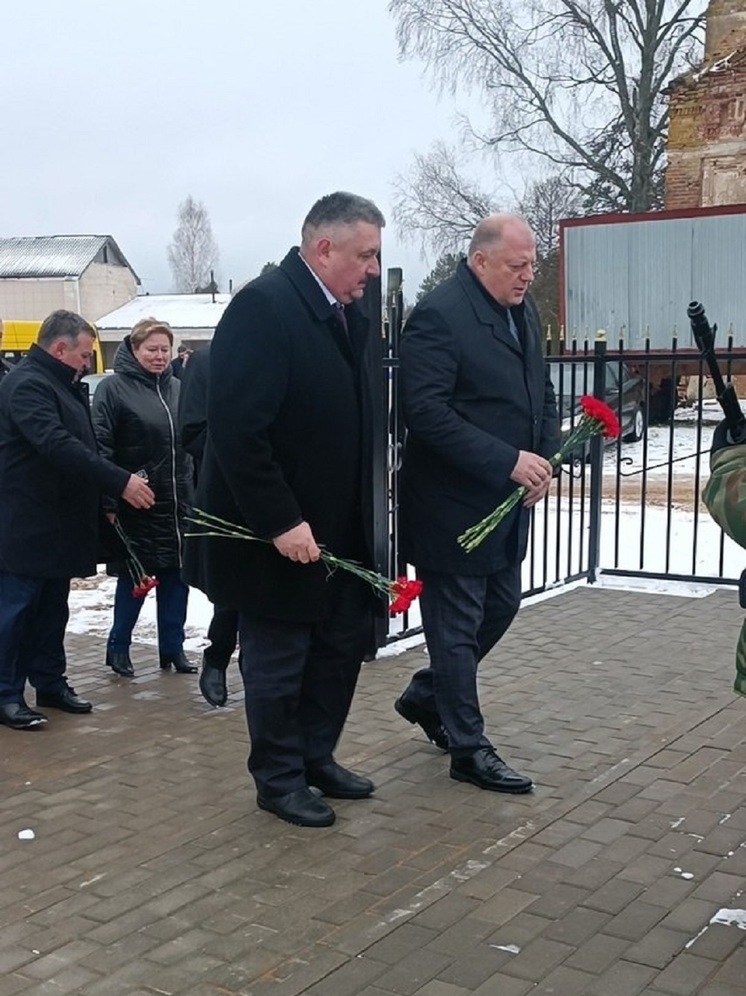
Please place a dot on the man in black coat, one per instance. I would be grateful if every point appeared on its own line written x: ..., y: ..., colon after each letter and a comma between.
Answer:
x: 481, y: 418
x: 223, y: 629
x: 51, y: 480
x: 289, y: 455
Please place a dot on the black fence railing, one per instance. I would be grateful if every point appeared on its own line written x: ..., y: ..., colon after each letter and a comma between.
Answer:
x: 630, y: 507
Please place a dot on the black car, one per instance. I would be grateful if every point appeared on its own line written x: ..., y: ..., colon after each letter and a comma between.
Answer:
x: 624, y: 393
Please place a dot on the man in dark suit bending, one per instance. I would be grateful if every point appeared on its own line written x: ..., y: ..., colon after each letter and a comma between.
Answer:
x: 481, y: 418
x: 289, y: 455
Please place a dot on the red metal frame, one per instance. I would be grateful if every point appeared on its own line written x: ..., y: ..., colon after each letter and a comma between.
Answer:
x: 617, y: 218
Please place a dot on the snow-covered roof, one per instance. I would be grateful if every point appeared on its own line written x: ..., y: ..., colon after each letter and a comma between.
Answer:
x: 57, y: 255
x: 181, y: 311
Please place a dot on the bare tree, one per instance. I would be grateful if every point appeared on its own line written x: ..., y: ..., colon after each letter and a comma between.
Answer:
x: 193, y: 252
x: 576, y: 82
x: 545, y: 203
x: 437, y: 204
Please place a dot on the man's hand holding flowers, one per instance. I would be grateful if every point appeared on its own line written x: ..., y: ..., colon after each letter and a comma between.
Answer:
x: 534, y: 473
x: 298, y: 544
x: 399, y: 593
x: 597, y: 419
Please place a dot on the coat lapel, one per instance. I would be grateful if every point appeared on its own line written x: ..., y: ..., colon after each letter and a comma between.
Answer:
x: 307, y: 286
x: 486, y: 314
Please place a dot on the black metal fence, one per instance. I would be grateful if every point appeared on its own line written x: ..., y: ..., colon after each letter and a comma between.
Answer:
x: 631, y: 507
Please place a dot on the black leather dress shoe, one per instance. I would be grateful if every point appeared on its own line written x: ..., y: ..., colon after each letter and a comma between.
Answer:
x: 487, y: 770
x: 429, y: 722
x: 18, y: 716
x: 337, y: 782
x: 120, y: 664
x: 66, y: 700
x: 212, y: 684
x: 179, y: 662
x: 301, y: 808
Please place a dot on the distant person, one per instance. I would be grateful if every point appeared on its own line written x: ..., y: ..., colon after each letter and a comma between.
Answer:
x: 135, y: 418
x: 223, y: 629
x: 289, y: 455
x: 51, y: 481
x: 481, y: 419
x: 178, y: 364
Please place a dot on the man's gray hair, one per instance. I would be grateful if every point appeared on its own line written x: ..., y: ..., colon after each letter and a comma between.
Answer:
x: 63, y: 325
x: 489, y: 232
x: 340, y: 208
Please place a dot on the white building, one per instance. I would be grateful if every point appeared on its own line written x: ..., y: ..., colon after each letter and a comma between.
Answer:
x: 87, y: 274
x: 192, y: 317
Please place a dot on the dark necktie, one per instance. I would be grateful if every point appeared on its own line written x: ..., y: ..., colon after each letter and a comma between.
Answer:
x: 513, y: 327
x: 340, y: 317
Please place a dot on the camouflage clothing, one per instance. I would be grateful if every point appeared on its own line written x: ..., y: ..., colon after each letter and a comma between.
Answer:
x: 725, y: 498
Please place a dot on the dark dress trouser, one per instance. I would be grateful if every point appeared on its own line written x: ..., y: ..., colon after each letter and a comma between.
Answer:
x: 223, y: 635
x: 33, y: 617
x: 299, y: 679
x: 463, y: 618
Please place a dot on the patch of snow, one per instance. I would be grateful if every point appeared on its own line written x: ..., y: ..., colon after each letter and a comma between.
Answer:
x: 92, y: 608
x: 731, y: 918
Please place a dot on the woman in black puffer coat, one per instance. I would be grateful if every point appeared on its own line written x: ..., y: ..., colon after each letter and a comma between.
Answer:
x: 134, y: 416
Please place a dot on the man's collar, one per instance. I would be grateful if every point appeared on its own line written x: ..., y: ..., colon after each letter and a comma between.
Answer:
x: 62, y: 371
x: 327, y: 293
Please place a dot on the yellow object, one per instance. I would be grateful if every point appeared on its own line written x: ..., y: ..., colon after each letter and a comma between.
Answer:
x: 18, y: 336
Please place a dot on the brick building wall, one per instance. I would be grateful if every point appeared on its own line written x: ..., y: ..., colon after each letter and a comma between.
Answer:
x: 726, y: 28
x: 706, y: 149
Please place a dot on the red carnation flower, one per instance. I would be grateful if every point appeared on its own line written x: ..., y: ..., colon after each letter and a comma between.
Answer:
x: 600, y: 411
x: 405, y: 591
x: 143, y: 586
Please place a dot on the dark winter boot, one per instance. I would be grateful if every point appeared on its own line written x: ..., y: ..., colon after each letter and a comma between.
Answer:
x: 179, y: 662
x: 120, y: 663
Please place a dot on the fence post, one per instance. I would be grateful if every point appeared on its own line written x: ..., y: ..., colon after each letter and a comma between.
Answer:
x: 597, y: 461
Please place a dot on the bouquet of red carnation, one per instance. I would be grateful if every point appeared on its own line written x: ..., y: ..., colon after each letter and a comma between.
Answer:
x: 400, y: 593
x: 597, y: 419
x: 141, y: 582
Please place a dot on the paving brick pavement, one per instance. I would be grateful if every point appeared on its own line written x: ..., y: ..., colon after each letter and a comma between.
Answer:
x: 152, y: 872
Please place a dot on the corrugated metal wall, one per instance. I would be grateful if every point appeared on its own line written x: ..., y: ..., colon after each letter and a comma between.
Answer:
x: 639, y: 276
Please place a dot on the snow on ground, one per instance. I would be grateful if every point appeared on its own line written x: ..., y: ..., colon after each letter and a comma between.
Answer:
x: 92, y: 605
x: 661, y: 445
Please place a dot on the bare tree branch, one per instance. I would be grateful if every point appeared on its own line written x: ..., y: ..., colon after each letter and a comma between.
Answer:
x: 562, y: 77
x: 436, y: 204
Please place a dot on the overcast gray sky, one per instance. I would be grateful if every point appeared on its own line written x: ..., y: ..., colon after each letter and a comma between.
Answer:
x: 112, y: 113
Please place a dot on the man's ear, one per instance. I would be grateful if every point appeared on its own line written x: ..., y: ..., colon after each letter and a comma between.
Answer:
x: 323, y: 247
